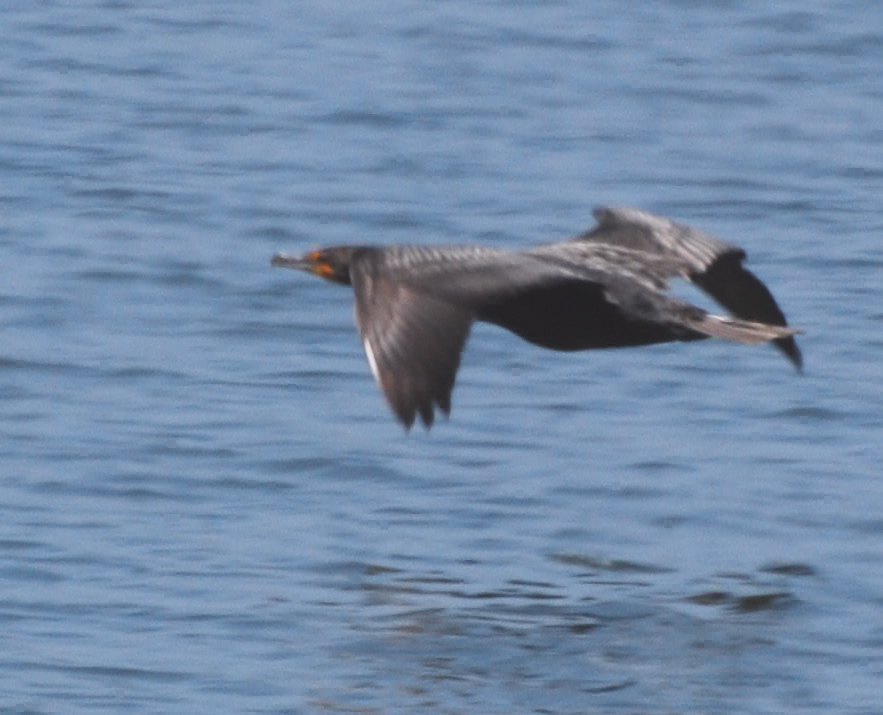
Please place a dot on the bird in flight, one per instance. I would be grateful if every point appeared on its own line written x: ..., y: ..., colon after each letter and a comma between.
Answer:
x: 605, y: 288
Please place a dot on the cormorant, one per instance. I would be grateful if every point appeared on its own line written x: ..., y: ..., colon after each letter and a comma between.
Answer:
x: 605, y: 288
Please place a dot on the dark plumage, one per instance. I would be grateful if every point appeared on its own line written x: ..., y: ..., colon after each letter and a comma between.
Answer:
x: 606, y: 288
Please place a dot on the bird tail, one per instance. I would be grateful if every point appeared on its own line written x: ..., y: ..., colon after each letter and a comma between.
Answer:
x: 741, y: 331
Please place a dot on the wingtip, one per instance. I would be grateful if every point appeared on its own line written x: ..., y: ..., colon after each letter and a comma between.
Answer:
x: 406, y: 423
x: 423, y: 414
x: 788, y: 347
x: 407, y: 426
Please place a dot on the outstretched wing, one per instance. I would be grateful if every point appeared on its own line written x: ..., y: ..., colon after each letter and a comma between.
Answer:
x: 712, y: 264
x: 413, y: 344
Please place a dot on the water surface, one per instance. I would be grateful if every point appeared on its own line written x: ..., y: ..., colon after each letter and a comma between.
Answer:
x: 205, y: 504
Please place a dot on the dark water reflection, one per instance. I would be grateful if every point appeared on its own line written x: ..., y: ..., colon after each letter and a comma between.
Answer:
x: 529, y: 643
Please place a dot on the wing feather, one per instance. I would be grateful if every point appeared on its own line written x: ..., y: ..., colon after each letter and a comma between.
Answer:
x: 671, y: 249
x: 413, y: 343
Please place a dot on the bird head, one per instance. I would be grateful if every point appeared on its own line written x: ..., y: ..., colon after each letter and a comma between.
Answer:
x: 332, y: 264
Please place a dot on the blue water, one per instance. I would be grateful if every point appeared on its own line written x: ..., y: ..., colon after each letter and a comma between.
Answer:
x: 205, y: 505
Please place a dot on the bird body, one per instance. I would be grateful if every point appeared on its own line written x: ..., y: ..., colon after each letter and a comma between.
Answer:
x: 415, y: 304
